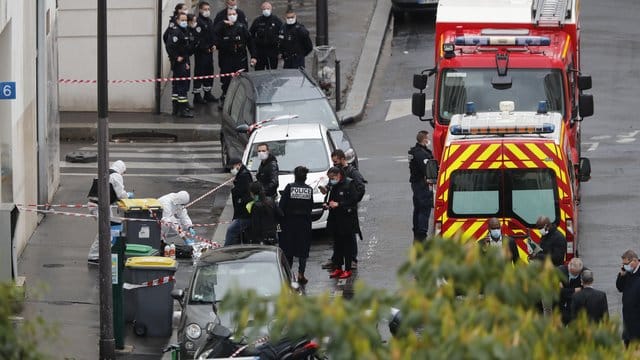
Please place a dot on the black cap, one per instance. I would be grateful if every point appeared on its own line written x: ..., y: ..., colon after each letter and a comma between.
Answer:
x: 234, y: 161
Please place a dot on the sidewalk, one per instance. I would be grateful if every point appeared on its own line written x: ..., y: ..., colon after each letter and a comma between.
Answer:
x: 63, y: 289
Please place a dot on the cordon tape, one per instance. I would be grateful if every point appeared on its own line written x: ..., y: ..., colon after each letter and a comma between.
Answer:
x: 142, y: 81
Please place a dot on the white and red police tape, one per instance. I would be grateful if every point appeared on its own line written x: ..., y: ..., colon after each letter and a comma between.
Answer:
x: 152, y: 283
x: 142, y: 81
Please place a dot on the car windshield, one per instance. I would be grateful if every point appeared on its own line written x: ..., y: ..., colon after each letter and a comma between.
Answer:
x: 528, y: 88
x: 524, y: 194
x: 212, y: 282
x: 293, y: 153
x: 308, y: 111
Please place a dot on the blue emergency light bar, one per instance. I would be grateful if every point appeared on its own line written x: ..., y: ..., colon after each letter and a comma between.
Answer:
x: 503, y: 40
x: 545, y: 128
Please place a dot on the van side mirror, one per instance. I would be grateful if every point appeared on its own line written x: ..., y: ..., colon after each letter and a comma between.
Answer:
x: 431, y: 169
x: 420, y: 81
x: 584, y: 170
x: 242, y: 128
x: 418, y: 104
x: 178, y: 294
x: 586, y: 105
x: 584, y: 82
x: 218, y: 330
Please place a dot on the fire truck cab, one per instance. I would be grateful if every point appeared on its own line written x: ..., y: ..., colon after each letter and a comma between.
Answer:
x: 488, y: 51
x: 516, y: 166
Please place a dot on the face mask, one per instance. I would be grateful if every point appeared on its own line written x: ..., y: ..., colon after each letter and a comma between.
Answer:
x: 234, y: 171
x: 266, y: 12
x: 206, y: 13
x: 543, y: 232
x: 495, y: 233
x: 333, y: 181
x: 263, y: 155
x: 183, y: 24
x: 233, y: 18
x: 291, y: 21
x: 628, y: 268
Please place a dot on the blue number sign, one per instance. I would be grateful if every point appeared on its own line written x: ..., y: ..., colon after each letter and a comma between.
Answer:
x: 7, y: 90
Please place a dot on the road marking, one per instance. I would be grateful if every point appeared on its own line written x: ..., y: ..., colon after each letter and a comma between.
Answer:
x: 363, y: 158
x: 593, y: 147
x: 601, y: 137
x: 402, y: 160
x: 629, y: 135
x: 371, y: 247
x: 399, y: 108
x: 625, y: 140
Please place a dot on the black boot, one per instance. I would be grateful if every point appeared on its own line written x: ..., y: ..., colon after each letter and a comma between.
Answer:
x: 185, y: 112
x: 174, y: 107
x: 208, y: 97
x: 197, y: 98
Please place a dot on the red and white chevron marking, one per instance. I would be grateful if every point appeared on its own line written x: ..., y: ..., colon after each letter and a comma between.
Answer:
x: 152, y: 283
x: 142, y: 81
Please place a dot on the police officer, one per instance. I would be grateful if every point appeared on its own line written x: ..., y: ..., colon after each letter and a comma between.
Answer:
x: 296, y: 204
x: 232, y: 39
x: 264, y: 31
x: 422, y: 193
x: 222, y: 14
x: 294, y: 42
x: 179, y: 49
x: 203, y: 55
x: 181, y: 8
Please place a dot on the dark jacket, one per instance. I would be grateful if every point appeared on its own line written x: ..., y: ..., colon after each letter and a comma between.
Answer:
x: 264, y: 221
x: 221, y: 16
x: 232, y: 42
x: 268, y: 175
x: 554, y: 245
x: 264, y: 31
x: 354, y: 174
x: 567, y: 290
x: 294, y: 41
x: 418, y: 156
x: 240, y: 193
x: 204, y: 32
x: 343, y: 219
x: 296, y: 204
x: 178, y: 44
x: 593, y: 301
x: 629, y: 286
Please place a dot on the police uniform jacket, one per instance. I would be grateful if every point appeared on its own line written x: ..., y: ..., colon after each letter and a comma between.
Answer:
x: 418, y: 156
x: 268, y: 175
x: 221, y: 16
x: 296, y: 204
x: 240, y: 193
x: 343, y: 219
x: 264, y: 31
x: 232, y: 42
x: 204, y: 31
x: 294, y: 40
x: 178, y: 44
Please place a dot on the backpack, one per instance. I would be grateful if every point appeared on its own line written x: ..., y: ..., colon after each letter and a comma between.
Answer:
x: 93, y: 191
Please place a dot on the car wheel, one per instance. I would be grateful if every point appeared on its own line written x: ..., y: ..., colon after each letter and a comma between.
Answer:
x: 224, y: 155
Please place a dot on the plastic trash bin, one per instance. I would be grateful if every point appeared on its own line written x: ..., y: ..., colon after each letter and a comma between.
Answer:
x: 134, y: 250
x: 137, y: 250
x: 152, y: 305
x: 141, y: 232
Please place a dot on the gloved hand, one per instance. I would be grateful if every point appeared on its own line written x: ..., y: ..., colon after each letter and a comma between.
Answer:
x: 192, y: 232
x: 130, y: 194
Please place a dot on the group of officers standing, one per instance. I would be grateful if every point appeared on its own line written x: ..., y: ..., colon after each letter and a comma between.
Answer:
x: 239, y: 45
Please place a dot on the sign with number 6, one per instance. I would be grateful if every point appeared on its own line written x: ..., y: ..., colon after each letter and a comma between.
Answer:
x: 7, y: 90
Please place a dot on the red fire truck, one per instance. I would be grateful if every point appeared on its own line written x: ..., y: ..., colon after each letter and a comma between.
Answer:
x: 487, y: 51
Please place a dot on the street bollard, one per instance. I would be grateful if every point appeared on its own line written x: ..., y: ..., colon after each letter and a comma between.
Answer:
x: 338, y: 85
x: 117, y: 268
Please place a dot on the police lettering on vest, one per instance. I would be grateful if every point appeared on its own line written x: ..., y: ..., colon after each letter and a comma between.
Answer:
x: 301, y: 193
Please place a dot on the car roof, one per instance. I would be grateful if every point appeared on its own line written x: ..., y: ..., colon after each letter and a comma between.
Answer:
x: 273, y: 86
x: 289, y: 132
x: 244, y: 253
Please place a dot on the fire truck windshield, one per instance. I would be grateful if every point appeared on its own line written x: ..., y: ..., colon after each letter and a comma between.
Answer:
x: 528, y: 88
x: 523, y: 194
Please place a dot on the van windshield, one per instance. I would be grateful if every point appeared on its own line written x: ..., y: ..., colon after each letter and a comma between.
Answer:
x: 308, y: 111
x: 291, y: 153
x: 528, y: 88
x: 524, y: 194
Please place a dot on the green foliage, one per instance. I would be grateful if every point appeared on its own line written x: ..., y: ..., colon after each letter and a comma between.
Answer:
x: 18, y: 338
x: 457, y: 300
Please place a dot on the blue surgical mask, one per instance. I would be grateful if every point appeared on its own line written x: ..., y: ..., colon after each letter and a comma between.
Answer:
x: 183, y: 24
x: 333, y: 181
x: 256, y: 198
x: 495, y: 233
x: 627, y: 268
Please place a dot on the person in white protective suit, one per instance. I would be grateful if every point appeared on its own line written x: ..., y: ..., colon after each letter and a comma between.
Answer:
x: 174, y: 215
x: 116, y: 192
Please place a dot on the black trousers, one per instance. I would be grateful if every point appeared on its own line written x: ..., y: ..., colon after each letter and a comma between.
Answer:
x: 180, y: 88
x: 230, y: 63
x: 293, y: 62
x: 203, y: 67
x: 267, y: 58
x: 342, y: 249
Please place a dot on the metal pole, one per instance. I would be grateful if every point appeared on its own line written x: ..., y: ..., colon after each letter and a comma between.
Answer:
x: 107, y: 342
x: 322, y: 23
x: 338, y: 85
x: 158, y: 89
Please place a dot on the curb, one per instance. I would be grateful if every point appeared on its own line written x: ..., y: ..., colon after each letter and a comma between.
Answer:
x: 357, y: 97
x: 184, y: 132
x: 221, y: 229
